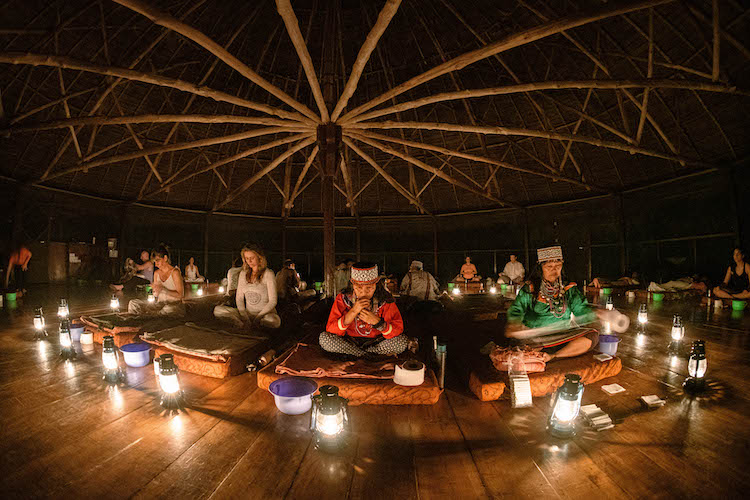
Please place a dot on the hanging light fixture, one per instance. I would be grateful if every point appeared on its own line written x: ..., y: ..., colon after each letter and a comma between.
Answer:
x: 565, y: 407
x: 610, y: 303
x: 111, y: 361
x: 150, y: 297
x: 40, y: 332
x: 62, y: 309
x: 114, y: 303
x: 697, y: 365
x: 678, y: 333
x: 330, y: 417
x: 67, y: 351
x: 169, y: 381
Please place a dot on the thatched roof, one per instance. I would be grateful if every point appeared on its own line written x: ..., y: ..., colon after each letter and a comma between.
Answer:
x: 447, y: 104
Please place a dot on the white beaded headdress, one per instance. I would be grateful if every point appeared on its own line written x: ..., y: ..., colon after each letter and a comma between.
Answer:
x: 549, y: 253
x: 365, y: 275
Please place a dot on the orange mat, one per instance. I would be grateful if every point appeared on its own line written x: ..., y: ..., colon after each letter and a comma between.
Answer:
x: 235, y: 365
x: 488, y: 384
x: 369, y: 392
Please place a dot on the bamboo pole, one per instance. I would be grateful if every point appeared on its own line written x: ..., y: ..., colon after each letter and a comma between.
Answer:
x: 384, y: 19
x: 49, y: 105
x: 527, y: 133
x: 169, y: 183
x: 292, y: 26
x: 511, y: 41
x: 174, y: 147
x: 138, y: 76
x: 649, y: 74
x: 135, y: 138
x: 458, y: 154
x: 149, y: 118
x: 729, y: 38
x: 388, y: 178
x: 424, y: 166
x: 258, y: 175
x: 169, y: 22
x: 554, y: 85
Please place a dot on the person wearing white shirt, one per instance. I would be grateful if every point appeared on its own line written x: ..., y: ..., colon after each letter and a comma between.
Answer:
x: 513, y: 273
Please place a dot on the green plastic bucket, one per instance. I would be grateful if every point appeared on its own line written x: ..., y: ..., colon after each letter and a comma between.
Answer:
x: 607, y: 291
x: 451, y: 286
x: 318, y: 285
x: 739, y: 305
x: 194, y: 286
x: 657, y: 297
x: 10, y: 296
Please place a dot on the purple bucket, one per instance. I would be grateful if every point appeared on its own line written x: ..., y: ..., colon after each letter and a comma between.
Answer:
x: 292, y: 394
x: 608, y: 344
x: 136, y: 355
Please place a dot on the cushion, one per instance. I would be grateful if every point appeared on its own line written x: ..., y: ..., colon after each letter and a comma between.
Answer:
x: 307, y: 360
x: 234, y: 365
x: 488, y: 384
x: 200, y: 342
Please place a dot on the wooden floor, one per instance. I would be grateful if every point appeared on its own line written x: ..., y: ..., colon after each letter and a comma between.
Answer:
x: 63, y: 434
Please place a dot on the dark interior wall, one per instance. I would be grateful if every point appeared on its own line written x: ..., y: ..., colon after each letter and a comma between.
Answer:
x: 671, y: 229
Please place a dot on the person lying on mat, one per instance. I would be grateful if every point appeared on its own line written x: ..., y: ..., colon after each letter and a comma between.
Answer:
x: 468, y: 272
x: 513, y: 272
x: 364, y: 318
x: 546, y: 303
x: 736, y: 283
x: 256, y: 293
x: 633, y: 280
x: 169, y: 289
x: 191, y: 272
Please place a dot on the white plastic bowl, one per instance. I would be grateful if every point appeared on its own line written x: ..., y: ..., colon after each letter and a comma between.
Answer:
x: 136, y: 355
x: 292, y: 394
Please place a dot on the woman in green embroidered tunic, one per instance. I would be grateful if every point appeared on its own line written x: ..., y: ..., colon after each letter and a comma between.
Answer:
x: 546, y: 303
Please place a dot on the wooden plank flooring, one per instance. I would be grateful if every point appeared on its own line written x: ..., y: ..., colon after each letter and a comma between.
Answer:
x: 64, y: 434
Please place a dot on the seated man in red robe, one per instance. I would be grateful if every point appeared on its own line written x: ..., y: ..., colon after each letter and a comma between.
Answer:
x: 364, y: 318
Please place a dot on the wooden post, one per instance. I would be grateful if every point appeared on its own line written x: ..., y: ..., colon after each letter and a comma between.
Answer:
x: 526, y: 239
x: 283, y: 239
x: 116, y: 264
x: 205, y: 244
x: 435, y: 243
x: 17, y: 228
x: 358, y: 240
x: 329, y: 137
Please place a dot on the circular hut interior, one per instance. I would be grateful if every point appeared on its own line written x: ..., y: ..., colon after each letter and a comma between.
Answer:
x: 374, y: 248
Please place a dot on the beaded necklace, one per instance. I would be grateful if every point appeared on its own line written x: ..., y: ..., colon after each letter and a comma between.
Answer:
x: 553, y: 294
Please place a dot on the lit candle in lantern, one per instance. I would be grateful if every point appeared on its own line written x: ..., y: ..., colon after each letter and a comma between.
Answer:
x: 456, y: 291
x: 678, y: 332
x: 221, y: 289
x: 169, y: 382
x: 200, y: 292
x: 493, y: 290
x: 150, y: 298
x: 40, y: 332
x: 565, y: 407
x: 114, y: 303
x: 110, y: 360
x: 62, y: 309
x: 697, y: 365
x: 642, y: 314
x: 330, y: 417
x: 610, y: 304
x: 67, y: 351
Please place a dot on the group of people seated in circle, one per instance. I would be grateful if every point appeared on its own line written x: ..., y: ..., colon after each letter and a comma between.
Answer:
x: 512, y: 274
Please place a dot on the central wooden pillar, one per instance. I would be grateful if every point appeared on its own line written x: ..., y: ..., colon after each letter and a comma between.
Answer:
x: 329, y: 139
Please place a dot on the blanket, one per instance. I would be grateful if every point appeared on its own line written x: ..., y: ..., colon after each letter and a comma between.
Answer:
x: 533, y: 361
x: 216, y: 345
x: 115, y: 323
x: 310, y: 361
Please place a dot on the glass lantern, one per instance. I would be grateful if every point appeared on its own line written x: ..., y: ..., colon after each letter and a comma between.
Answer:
x: 114, y: 303
x: 62, y: 309
x: 67, y: 351
x: 493, y: 290
x: 565, y: 407
x: 456, y: 291
x: 678, y: 333
x: 642, y: 314
x: 40, y: 332
x: 200, y: 292
x: 150, y: 297
x: 610, y: 303
x: 111, y: 361
x: 330, y: 418
x: 697, y: 365
x: 221, y: 289
x: 169, y: 382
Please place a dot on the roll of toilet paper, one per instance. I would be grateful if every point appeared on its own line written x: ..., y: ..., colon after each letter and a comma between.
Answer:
x: 87, y: 338
x: 409, y: 373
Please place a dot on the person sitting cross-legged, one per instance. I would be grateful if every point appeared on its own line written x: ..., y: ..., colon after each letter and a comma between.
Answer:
x: 364, y: 318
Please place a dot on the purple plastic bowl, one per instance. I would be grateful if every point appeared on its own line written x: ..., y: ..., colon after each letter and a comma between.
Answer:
x: 292, y: 394
x: 136, y: 355
x: 608, y: 344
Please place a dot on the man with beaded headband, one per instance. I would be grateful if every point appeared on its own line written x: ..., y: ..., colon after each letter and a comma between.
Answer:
x: 547, y: 304
x: 364, y: 318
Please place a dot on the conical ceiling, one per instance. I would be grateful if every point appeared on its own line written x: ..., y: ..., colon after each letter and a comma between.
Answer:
x: 444, y: 105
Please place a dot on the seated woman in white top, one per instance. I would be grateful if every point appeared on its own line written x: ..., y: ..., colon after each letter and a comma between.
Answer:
x: 256, y: 293
x: 191, y: 272
x: 169, y: 289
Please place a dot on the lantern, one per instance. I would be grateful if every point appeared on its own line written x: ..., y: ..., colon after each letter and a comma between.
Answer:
x: 642, y: 314
x: 678, y: 332
x: 169, y: 382
x: 40, y: 332
x: 565, y: 407
x: 697, y: 364
x: 150, y: 298
x: 329, y: 418
x: 111, y: 361
x: 610, y: 304
x: 67, y: 351
x: 493, y: 290
x: 114, y: 303
x: 456, y: 291
x: 606, y: 327
x: 221, y: 289
x: 62, y: 309
x: 200, y: 292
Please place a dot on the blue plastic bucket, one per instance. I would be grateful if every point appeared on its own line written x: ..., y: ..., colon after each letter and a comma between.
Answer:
x: 608, y: 344
x: 76, y: 329
x: 136, y: 355
x: 292, y: 394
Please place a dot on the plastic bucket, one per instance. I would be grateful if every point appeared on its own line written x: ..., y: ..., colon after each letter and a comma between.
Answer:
x: 76, y: 329
x: 608, y: 344
x: 657, y: 297
x: 194, y: 286
x: 136, y: 355
x: 451, y: 286
x: 607, y: 290
x: 739, y: 305
x: 292, y: 394
x: 10, y: 296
